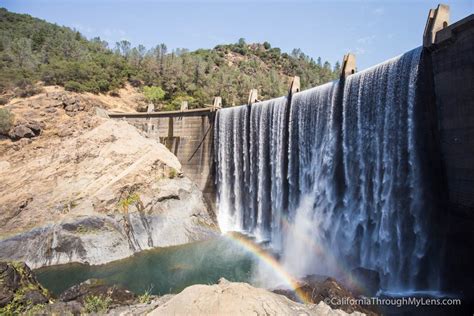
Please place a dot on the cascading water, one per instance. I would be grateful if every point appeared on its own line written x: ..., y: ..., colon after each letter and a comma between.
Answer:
x: 249, y: 178
x: 312, y: 194
x: 383, y: 226
x: 354, y: 184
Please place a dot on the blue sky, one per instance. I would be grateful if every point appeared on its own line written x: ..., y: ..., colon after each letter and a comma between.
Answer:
x: 373, y: 30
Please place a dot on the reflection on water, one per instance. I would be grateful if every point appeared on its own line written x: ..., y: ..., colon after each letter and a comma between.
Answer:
x: 166, y: 270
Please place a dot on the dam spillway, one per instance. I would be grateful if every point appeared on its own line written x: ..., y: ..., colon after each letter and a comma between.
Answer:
x: 352, y: 184
x: 444, y: 128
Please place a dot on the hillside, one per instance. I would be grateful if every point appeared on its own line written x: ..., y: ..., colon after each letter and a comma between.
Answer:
x: 33, y: 50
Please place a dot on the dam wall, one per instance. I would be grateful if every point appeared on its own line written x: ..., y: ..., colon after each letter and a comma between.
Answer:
x: 188, y: 135
x: 453, y: 74
x: 452, y: 66
x: 445, y: 92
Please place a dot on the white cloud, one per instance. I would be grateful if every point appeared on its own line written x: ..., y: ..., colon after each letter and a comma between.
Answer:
x: 83, y: 28
x: 378, y: 11
x: 359, y: 51
x: 366, y: 39
x: 114, y: 32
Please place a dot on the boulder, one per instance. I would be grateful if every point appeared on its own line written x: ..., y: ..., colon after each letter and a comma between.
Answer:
x: 73, y: 105
x: 63, y: 308
x: 18, y: 285
x: 35, y: 297
x: 27, y: 129
x: 233, y: 298
x: 36, y: 127
x: 10, y: 280
x: 363, y: 282
x: 21, y: 131
x: 95, y: 287
x: 318, y: 288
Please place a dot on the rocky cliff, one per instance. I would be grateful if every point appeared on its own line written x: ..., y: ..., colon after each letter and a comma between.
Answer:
x: 86, y: 189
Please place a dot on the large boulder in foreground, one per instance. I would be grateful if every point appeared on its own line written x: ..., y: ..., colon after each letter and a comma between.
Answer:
x: 232, y: 298
x: 19, y: 288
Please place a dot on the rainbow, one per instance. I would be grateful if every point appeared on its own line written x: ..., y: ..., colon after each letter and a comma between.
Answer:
x: 339, y: 270
x: 293, y: 283
x: 271, y: 262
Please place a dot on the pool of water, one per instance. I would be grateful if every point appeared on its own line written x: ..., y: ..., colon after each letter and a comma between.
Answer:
x: 165, y: 270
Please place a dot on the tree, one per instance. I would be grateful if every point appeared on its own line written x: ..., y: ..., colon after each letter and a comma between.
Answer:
x: 163, y: 52
x: 154, y: 94
x: 123, y: 48
x: 99, y: 43
x: 296, y: 52
x: 32, y: 50
x: 337, y: 67
x: 6, y: 121
x: 21, y: 53
x: 137, y: 54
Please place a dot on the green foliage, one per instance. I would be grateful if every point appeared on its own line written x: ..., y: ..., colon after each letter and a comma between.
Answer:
x: 172, y: 174
x: 97, y: 304
x: 37, y: 309
x: 153, y: 94
x: 126, y: 202
x: 32, y: 49
x: 26, y: 90
x: 145, y: 298
x: 175, y: 104
x: 13, y: 308
x: 81, y: 229
x: 74, y: 86
x: 19, y: 305
x: 6, y: 121
x: 61, y: 56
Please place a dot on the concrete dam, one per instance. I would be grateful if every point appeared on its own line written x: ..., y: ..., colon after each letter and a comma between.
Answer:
x: 374, y: 170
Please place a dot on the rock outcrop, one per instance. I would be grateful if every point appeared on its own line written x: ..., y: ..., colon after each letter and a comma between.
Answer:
x: 232, y: 298
x: 92, y: 190
x: 319, y: 288
x: 19, y: 288
x: 118, y: 295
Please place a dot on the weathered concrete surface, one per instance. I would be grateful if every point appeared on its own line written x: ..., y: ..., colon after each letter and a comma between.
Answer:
x: 453, y: 75
x: 189, y: 136
x: 453, y: 69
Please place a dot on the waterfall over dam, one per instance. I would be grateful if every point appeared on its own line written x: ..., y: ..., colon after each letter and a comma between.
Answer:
x: 331, y: 176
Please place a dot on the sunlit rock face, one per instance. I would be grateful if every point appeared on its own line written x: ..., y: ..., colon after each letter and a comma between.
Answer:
x: 99, y: 196
x: 333, y: 179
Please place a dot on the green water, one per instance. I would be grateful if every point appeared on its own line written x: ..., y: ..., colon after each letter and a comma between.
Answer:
x: 166, y: 270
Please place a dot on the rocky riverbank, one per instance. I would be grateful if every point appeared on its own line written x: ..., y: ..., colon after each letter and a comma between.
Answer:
x: 90, y: 190
x: 20, y: 293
